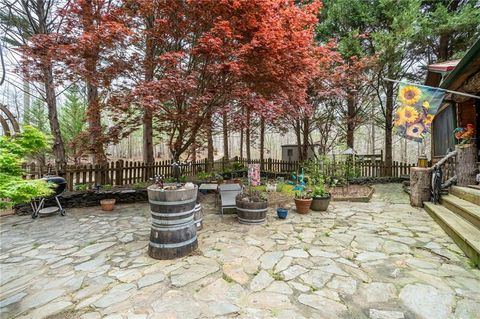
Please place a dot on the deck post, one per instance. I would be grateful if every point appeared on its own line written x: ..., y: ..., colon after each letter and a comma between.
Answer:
x: 466, y: 169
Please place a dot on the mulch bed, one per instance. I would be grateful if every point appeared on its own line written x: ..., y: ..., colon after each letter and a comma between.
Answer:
x: 352, y: 193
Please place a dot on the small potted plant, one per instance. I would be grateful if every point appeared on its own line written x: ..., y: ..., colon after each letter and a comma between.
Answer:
x: 107, y: 204
x: 321, y: 198
x: 303, y: 200
x: 282, y: 213
x: 252, y: 206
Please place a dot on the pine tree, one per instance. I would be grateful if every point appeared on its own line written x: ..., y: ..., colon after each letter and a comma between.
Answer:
x: 37, y: 116
x: 72, y: 120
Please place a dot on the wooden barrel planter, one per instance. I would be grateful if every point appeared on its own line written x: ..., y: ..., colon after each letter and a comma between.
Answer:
x: 173, y: 233
x: 251, y: 213
x: 198, y: 217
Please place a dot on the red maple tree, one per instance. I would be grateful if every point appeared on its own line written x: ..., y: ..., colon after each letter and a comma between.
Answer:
x: 91, y: 46
x: 213, y: 56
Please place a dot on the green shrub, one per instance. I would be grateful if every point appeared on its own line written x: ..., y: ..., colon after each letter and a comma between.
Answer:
x: 13, y: 151
x: 107, y: 187
x: 80, y: 187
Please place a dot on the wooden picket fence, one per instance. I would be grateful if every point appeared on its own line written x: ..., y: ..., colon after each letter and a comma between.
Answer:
x: 132, y: 172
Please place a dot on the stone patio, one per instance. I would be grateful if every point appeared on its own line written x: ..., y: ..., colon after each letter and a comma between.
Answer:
x: 382, y: 259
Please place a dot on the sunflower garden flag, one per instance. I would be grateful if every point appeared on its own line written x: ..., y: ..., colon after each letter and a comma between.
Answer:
x: 417, y: 106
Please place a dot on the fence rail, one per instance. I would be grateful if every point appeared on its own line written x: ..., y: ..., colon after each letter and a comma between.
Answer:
x: 131, y: 172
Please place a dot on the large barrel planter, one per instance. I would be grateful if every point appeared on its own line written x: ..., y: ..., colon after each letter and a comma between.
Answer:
x: 198, y: 216
x: 251, y: 213
x: 320, y: 204
x: 173, y: 233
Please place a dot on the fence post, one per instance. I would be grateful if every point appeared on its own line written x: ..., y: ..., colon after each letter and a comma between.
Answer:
x: 119, y: 172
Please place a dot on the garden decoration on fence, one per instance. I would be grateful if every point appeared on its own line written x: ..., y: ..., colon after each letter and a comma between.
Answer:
x: 254, y: 174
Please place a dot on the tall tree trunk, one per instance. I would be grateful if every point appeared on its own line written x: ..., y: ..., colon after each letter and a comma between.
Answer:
x: 210, y: 156
x: 241, y: 142
x: 148, y: 155
x: 247, y: 137
x: 26, y: 99
x: 225, y: 136
x: 388, y: 128
x: 298, y: 134
x: 305, y: 133
x: 350, y: 121
x: 444, y: 53
x: 373, y: 129
x: 95, y: 125
x: 262, y: 141
x: 58, y: 146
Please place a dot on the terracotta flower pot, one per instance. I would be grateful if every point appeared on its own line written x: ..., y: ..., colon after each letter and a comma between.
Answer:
x: 303, y: 205
x: 107, y: 204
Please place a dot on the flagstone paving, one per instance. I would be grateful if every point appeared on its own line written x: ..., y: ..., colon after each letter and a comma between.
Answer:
x: 378, y: 260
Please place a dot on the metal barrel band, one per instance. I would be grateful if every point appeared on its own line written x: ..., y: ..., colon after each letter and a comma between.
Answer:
x: 252, y: 210
x: 249, y: 221
x: 174, y: 228
x: 180, y: 202
x: 159, y: 222
x: 172, y: 214
x: 177, y: 245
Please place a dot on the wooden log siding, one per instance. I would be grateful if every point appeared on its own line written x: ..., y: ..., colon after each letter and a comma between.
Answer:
x: 124, y: 172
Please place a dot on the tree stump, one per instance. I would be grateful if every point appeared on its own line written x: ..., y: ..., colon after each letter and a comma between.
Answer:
x: 466, y: 164
x: 420, y: 180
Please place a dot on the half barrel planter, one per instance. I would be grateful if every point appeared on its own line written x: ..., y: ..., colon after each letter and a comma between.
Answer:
x: 173, y: 233
x: 251, y: 213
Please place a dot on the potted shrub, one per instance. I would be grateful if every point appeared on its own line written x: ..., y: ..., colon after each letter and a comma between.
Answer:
x: 252, y: 206
x: 320, y: 198
x: 303, y: 200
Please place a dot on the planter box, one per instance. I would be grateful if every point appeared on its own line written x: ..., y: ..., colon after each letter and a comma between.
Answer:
x: 361, y: 199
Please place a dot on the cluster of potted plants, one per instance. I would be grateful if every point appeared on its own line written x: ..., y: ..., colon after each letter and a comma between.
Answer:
x: 314, y: 197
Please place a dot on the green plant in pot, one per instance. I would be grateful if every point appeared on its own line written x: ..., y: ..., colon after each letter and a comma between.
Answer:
x: 303, y: 200
x: 252, y: 206
x: 321, y: 198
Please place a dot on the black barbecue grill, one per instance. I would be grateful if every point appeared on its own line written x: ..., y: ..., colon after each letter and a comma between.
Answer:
x: 39, y: 203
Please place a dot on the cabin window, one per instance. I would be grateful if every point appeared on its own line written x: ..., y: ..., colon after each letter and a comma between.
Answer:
x: 442, y: 131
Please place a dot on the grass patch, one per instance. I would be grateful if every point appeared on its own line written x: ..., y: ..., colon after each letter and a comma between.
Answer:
x: 277, y: 277
x: 227, y: 279
x: 35, y: 245
x: 275, y: 312
x: 472, y: 263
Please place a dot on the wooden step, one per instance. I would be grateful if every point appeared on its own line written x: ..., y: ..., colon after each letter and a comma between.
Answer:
x: 466, y: 193
x: 465, y: 209
x: 465, y: 235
